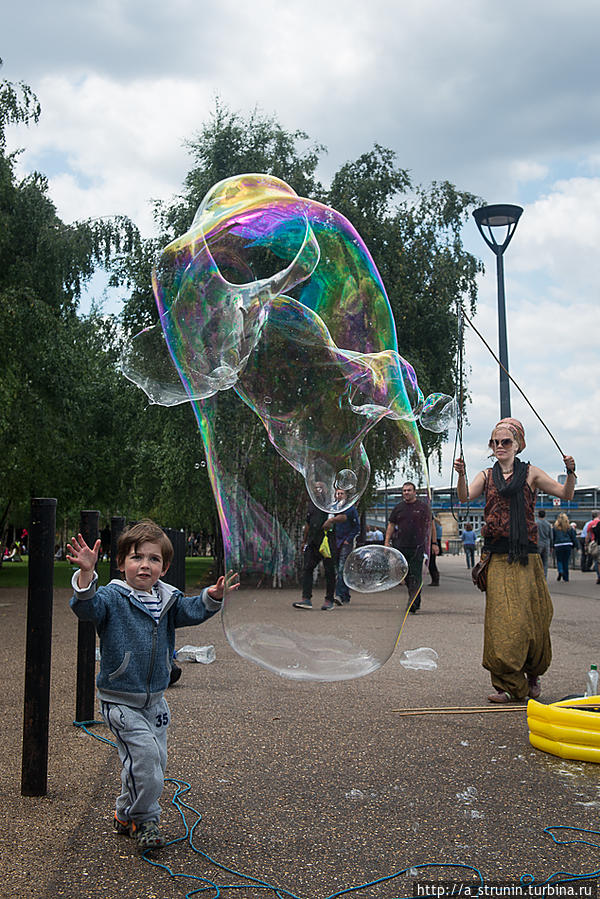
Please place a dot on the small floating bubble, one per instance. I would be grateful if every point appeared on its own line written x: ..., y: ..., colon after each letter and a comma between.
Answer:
x: 371, y: 569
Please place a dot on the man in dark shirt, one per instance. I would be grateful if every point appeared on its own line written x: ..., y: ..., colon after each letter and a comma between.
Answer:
x: 312, y: 544
x: 410, y: 532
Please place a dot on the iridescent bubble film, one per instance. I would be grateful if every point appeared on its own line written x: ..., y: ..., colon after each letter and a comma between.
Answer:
x: 275, y: 325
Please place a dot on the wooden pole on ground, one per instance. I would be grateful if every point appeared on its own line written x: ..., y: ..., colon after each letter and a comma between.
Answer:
x: 36, y: 711
x: 86, y: 636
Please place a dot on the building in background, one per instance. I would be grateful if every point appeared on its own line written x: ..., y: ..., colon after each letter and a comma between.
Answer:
x: 453, y: 515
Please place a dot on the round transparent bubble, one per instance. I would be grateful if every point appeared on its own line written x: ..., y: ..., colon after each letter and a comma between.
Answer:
x: 439, y: 412
x: 346, y: 480
x: 371, y: 569
x: 323, y: 481
x: 422, y: 659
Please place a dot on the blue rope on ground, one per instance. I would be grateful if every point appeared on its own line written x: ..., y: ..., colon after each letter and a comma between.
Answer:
x: 182, y: 788
x: 410, y: 868
x: 85, y: 726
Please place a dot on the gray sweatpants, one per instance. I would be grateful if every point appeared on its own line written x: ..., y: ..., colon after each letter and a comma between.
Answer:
x: 141, y: 737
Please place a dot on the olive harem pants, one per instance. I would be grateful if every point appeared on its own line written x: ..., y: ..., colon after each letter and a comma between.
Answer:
x: 518, y: 613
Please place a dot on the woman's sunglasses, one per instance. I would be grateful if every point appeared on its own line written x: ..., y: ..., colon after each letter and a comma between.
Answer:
x: 505, y: 442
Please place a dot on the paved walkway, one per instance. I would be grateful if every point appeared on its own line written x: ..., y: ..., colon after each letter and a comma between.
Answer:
x: 313, y: 787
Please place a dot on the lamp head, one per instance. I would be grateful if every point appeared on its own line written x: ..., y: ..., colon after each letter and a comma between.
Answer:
x: 498, y: 216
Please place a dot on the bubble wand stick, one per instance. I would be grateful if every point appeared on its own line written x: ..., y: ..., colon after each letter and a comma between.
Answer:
x: 458, y: 441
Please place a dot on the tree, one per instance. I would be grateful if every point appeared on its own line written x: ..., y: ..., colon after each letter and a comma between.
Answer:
x: 17, y: 104
x: 229, y: 145
x: 413, y: 233
x: 57, y: 369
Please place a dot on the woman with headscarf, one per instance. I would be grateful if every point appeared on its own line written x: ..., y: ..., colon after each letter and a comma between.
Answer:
x: 518, y: 610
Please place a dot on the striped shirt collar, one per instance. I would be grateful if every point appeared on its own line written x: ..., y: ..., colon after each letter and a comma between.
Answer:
x: 155, y: 601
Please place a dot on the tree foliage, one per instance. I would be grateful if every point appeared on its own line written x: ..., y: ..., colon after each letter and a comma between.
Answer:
x: 18, y: 103
x: 60, y: 392
x: 227, y: 145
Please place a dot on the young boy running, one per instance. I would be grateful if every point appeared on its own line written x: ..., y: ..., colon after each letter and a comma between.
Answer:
x: 136, y: 619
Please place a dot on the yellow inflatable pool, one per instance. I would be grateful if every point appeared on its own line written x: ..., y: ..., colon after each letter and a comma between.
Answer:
x: 569, y: 728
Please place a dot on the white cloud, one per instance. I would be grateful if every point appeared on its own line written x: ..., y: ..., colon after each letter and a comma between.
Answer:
x: 524, y: 170
x: 558, y: 235
x: 122, y: 144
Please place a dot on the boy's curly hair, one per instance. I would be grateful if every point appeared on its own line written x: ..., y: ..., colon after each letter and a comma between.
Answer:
x: 145, y: 530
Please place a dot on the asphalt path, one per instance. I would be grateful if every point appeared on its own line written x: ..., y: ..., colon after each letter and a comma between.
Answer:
x: 312, y: 787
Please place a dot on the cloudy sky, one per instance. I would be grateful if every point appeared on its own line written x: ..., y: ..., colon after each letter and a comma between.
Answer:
x: 501, y: 99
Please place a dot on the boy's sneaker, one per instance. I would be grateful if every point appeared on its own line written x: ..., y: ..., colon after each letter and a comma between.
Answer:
x: 123, y: 828
x: 303, y: 604
x: 147, y: 835
x: 328, y: 604
x: 175, y: 674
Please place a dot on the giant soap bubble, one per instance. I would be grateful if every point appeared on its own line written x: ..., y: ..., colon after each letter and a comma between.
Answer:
x: 275, y: 325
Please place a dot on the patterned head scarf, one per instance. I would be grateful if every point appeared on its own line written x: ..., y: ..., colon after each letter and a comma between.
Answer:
x: 516, y: 429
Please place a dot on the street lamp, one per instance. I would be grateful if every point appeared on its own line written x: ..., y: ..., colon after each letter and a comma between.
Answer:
x: 494, y: 219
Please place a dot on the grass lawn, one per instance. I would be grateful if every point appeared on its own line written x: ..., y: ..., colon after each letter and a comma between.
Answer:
x: 15, y: 574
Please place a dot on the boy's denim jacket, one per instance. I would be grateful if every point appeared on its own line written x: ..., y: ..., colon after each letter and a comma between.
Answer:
x: 135, y: 650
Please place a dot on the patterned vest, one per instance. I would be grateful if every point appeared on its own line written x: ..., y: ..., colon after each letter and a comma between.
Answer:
x: 497, y: 512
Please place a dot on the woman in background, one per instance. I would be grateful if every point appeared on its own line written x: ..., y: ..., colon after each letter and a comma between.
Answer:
x: 565, y: 539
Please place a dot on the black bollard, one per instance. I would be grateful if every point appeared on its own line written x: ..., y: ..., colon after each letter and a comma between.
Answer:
x: 86, y: 636
x: 176, y: 577
x: 36, y: 711
x: 117, y: 526
x: 176, y: 573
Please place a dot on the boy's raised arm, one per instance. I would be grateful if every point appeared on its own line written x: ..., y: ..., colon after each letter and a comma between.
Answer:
x: 85, y: 558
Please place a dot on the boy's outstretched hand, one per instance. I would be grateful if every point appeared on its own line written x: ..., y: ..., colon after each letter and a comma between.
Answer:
x: 230, y: 582
x: 85, y: 558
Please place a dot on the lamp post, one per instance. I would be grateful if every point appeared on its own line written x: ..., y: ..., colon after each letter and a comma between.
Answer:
x: 500, y: 216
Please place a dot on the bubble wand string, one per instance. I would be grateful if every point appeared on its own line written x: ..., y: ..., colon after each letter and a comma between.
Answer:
x: 458, y: 442
x: 486, y: 344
